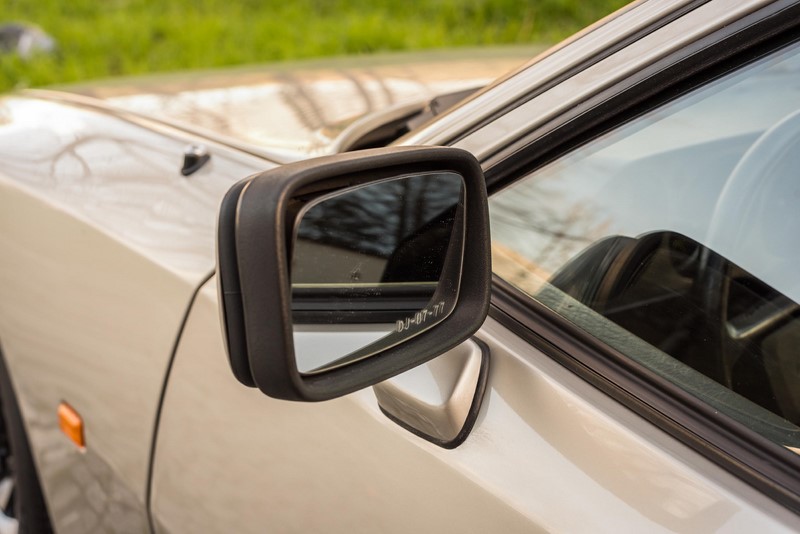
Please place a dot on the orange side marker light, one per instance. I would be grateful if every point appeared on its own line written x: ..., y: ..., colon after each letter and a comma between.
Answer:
x: 71, y: 424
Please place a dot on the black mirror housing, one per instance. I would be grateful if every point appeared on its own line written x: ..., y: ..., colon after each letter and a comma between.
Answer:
x: 256, y: 228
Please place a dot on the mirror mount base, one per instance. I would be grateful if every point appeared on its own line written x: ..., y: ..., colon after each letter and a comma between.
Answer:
x: 460, y: 377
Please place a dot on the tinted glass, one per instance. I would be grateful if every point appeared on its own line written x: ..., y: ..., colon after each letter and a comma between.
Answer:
x: 674, y: 239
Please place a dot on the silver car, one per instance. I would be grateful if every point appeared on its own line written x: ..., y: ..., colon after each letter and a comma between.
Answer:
x: 393, y: 298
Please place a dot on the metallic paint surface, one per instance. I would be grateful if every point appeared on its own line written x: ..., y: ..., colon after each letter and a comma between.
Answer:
x: 335, y: 466
x: 86, y: 320
x: 435, y: 398
x: 103, y: 244
x: 302, y: 107
x: 548, y: 453
x: 120, y: 178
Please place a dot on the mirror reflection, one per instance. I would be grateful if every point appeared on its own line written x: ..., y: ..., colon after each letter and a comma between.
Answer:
x: 375, y: 265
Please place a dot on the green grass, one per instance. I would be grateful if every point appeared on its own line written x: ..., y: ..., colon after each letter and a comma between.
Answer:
x: 102, y: 38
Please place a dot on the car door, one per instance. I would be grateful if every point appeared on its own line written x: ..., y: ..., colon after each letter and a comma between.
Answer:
x: 624, y: 274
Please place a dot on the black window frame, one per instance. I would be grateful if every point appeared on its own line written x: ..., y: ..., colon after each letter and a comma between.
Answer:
x: 765, y: 465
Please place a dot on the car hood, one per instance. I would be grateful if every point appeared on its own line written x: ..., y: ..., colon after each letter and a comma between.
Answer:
x: 301, y: 108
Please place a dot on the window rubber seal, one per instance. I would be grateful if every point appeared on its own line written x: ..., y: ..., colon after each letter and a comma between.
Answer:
x: 768, y: 467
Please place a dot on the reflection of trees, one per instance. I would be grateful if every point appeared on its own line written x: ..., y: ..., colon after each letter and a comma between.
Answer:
x: 128, y: 184
x: 377, y: 218
x: 537, y: 227
x: 138, y: 151
x: 230, y: 111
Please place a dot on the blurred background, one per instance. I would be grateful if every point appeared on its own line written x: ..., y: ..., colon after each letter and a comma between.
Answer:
x: 44, y: 42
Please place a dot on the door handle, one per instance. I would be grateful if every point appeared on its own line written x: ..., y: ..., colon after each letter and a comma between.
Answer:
x: 440, y: 400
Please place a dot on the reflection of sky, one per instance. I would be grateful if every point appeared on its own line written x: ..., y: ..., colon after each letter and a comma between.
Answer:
x: 319, y: 345
x: 663, y: 171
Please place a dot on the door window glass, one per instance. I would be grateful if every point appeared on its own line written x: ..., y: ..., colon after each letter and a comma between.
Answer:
x: 675, y: 239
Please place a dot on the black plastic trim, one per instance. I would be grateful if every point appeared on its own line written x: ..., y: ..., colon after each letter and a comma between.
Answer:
x: 372, y: 305
x: 719, y: 438
x: 266, y: 209
x: 474, y: 409
x: 230, y: 289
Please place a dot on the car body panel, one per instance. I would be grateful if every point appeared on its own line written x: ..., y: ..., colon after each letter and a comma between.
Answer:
x: 104, y: 242
x: 122, y: 177
x: 548, y: 453
x: 299, y: 108
x: 111, y: 317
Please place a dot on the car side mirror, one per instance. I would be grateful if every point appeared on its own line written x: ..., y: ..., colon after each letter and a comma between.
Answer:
x: 340, y: 272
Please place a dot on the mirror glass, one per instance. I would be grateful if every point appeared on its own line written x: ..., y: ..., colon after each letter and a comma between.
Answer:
x: 375, y: 265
